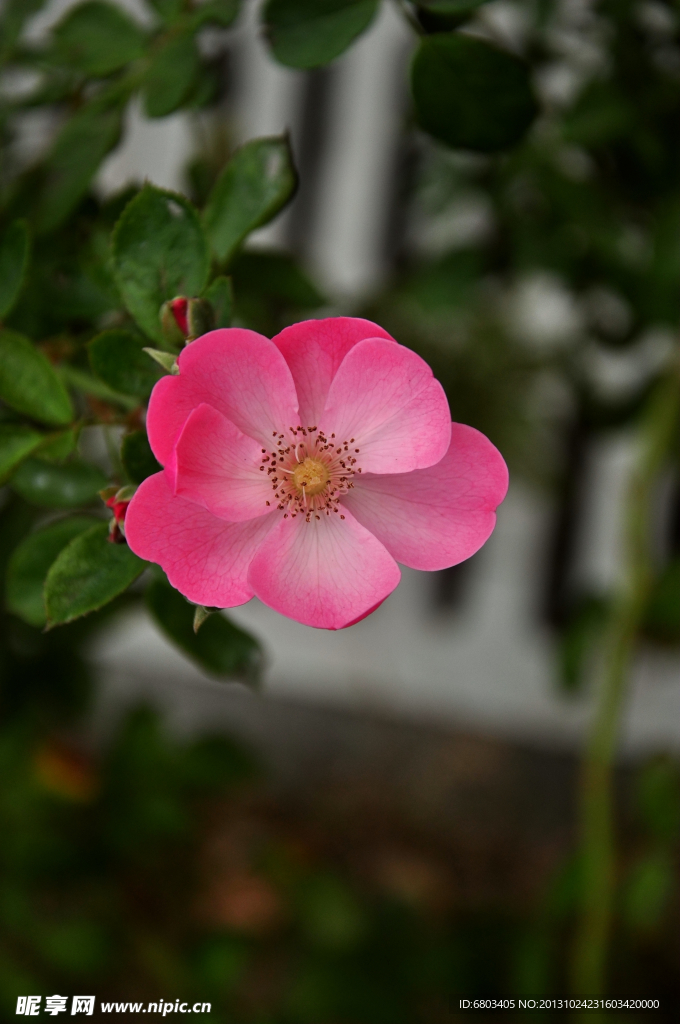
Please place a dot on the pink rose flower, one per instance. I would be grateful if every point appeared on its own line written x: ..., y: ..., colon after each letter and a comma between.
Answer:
x: 302, y: 469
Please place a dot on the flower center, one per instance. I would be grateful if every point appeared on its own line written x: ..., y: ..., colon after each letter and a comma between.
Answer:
x: 309, y: 472
x: 310, y: 477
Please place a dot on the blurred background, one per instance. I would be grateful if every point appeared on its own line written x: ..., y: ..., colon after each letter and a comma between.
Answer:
x: 389, y: 822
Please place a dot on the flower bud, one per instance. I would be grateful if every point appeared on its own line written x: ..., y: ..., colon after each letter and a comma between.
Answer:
x: 174, y: 322
x: 117, y: 499
x: 178, y: 308
x: 184, y: 320
x: 200, y: 318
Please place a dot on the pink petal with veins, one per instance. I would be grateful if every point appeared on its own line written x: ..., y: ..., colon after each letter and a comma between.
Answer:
x: 325, y: 573
x: 240, y: 373
x: 218, y: 467
x: 314, y: 349
x: 385, y: 397
x: 433, y: 518
x: 204, y: 557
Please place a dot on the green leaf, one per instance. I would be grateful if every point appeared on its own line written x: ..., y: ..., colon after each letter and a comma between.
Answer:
x: 30, y: 563
x: 221, y: 298
x: 79, y: 149
x: 159, y: 251
x: 471, y: 95
x: 256, y: 183
x: 16, y: 443
x: 84, y: 382
x: 118, y: 358
x: 171, y: 75
x: 58, y: 447
x: 14, y: 250
x: 89, y: 572
x: 52, y: 486
x: 220, y: 647
x: 139, y: 461
x: 98, y: 38
x: 219, y: 12
x: 15, y: 13
x: 309, y: 33
x: 29, y: 383
x: 207, y: 86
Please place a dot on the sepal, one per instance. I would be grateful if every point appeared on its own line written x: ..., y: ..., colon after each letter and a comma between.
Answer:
x: 168, y: 360
x: 200, y: 318
x: 200, y: 615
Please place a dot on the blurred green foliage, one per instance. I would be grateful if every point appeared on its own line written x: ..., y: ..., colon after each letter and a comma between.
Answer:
x: 154, y: 869
x: 310, y: 33
x: 256, y: 183
x: 581, y: 217
x: 491, y: 105
x: 85, y: 283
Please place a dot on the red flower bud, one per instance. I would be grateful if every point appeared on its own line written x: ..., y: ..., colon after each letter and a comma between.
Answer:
x: 179, y: 308
x: 117, y: 500
x: 119, y: 508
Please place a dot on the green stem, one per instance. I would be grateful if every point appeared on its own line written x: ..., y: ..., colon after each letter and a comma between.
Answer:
x: 589, y: 964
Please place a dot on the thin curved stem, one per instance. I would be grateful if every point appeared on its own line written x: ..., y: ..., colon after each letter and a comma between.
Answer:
x: 589, y: 966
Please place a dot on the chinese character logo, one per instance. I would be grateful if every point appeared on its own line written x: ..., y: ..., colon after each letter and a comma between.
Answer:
x: 29, y: 1005
x: 83, y: 1004
x: 55, y: 1004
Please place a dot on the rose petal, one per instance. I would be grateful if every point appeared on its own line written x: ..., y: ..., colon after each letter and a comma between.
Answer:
x: 240, y: 373
x: 435, y: 517
x: 314, y: 350
x: 204, y: 557
x: 219, y: 467
x: 325, y: 573
x: 385, y: 397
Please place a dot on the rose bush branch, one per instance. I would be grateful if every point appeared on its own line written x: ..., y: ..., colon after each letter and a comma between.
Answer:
x: 599, y: 867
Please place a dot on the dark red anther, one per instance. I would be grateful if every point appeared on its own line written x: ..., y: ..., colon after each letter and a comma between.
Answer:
x: 179, y: 309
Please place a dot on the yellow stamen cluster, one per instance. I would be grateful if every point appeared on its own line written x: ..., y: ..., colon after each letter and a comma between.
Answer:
x: 310, y: 473
x: 310, y: 477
